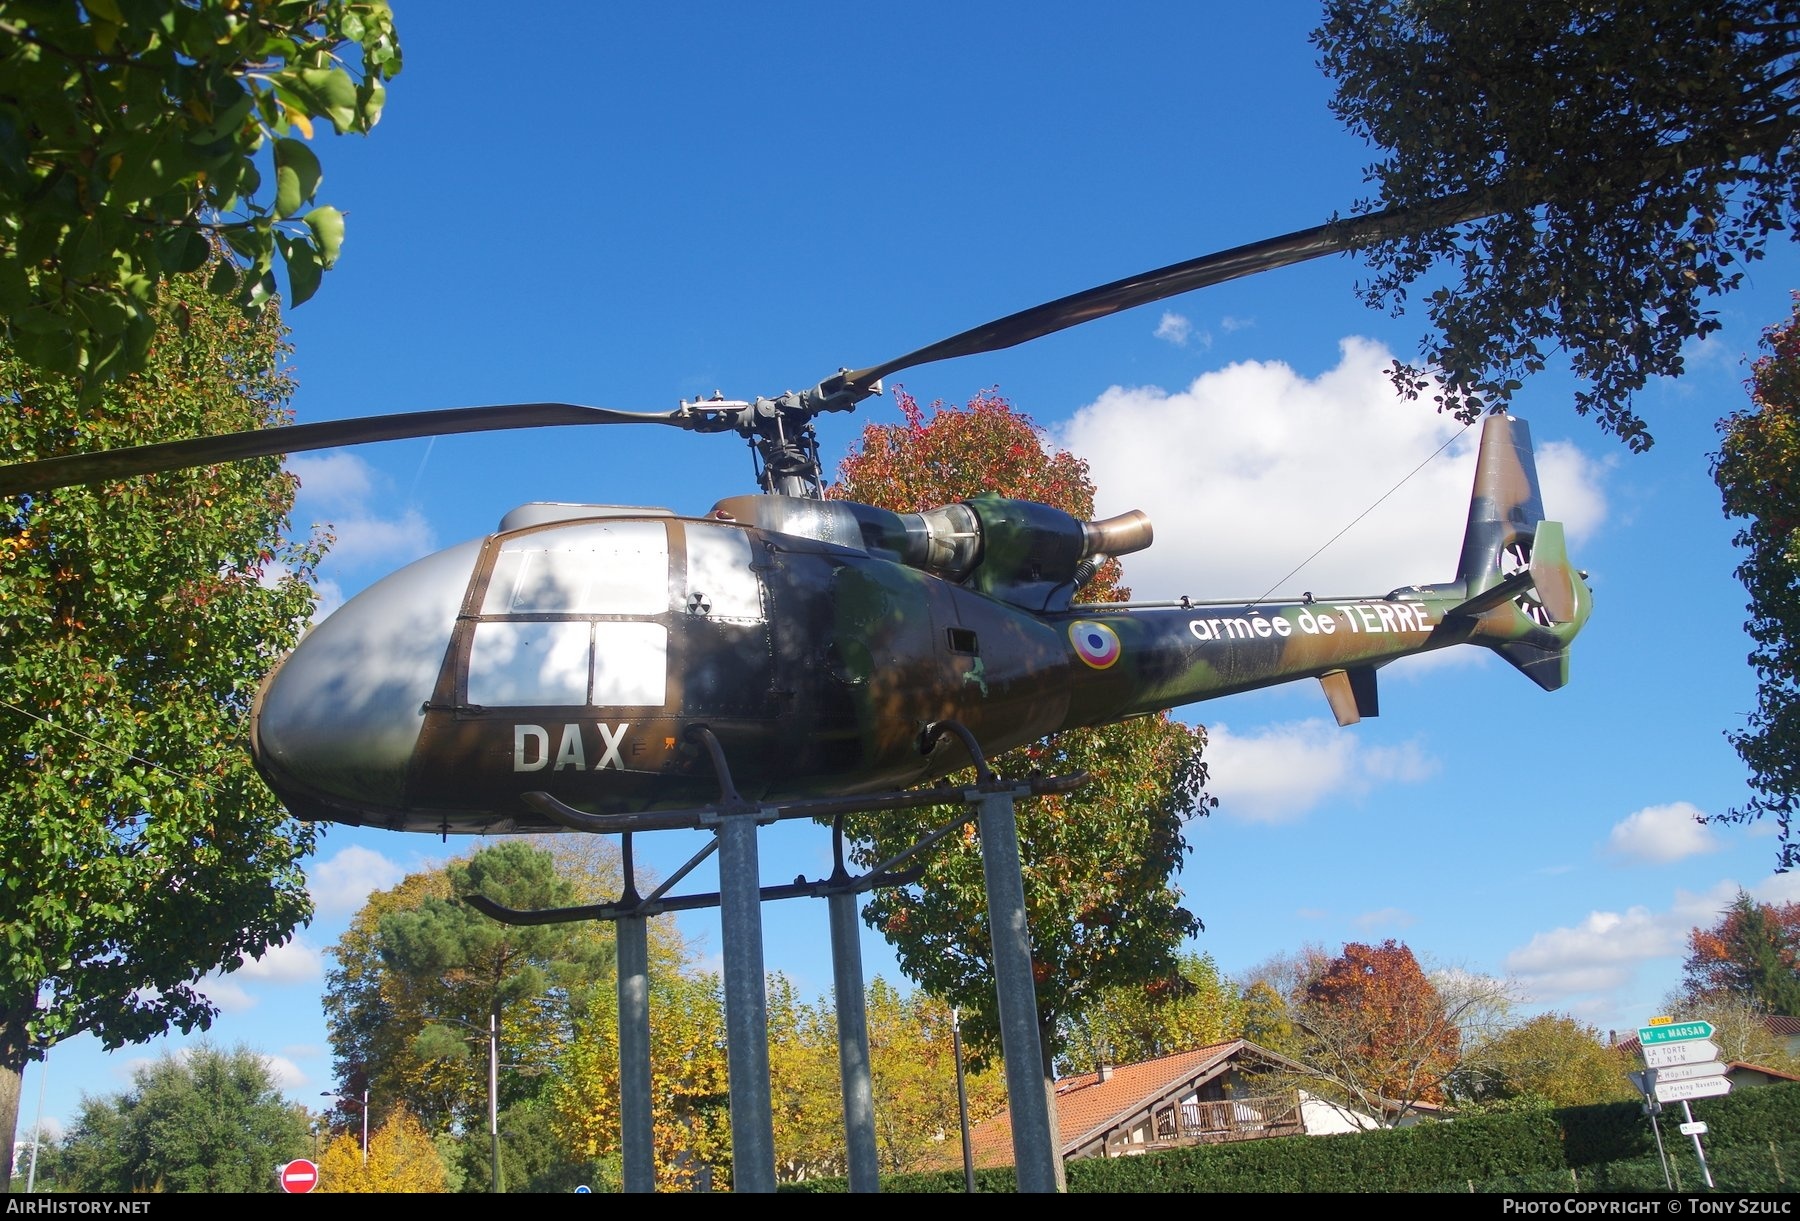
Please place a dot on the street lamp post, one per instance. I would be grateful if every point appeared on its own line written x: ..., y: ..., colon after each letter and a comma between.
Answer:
x: 493, y: 1098
x: 364, y: 1104
x: 962, y: 1099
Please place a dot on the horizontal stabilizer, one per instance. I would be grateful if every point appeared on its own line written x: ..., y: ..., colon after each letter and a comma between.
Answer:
x: 1494, y: 595
x: 1351, y: 693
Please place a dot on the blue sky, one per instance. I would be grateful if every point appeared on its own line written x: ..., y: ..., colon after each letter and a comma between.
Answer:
x: 631, y: 205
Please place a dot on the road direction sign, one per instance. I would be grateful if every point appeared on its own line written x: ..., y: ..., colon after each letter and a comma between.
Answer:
x: 1699, y: 1087
x: 1674, y: 1032
x: 1687, y: 1072
x: 1697, y: 1128
x: 1697, y: 1051
x: 299, y: 1176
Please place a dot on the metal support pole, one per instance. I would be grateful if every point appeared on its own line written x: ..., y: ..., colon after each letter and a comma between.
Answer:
x: 746, y: 1004
x: 1645, y: 1081
x: 1028, y: 1104
x: 37, y: 1125
x: 853, y: 1043
x: 1699, y: 1152
x: 1661, y: 1156
x: 637, y: 1135
x: 962, y: 1101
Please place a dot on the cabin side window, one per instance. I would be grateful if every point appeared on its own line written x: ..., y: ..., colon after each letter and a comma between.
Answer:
x: 543, y: 638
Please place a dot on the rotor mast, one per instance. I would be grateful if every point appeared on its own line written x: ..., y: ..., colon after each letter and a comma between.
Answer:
x: 780, y: 430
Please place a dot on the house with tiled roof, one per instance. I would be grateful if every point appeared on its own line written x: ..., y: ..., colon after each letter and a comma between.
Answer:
x: 1210, y: 1095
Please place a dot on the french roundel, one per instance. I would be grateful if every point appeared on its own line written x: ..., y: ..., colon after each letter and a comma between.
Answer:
x: 1095, y: 643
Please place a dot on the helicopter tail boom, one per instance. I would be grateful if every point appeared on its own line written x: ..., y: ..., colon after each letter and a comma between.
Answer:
x: 1515, y: 592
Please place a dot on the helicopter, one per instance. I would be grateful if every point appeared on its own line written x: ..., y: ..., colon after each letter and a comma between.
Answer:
x: 558, y: 670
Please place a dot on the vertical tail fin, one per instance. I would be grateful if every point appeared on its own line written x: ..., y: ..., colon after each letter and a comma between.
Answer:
x: 1527, y: 600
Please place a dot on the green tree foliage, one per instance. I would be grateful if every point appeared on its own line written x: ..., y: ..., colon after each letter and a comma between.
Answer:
x: 204, y: 1120
x: 1191, y: 1008
x: 372, y: 1014
x: 1752, y: 953
x: 1099, y: 862
x: 45, y: 1172
x: 1549, y: 1060
x: 1632, y: 159
x: 132, y: 131
x: 139, y: 849
x: 1757, y: 469
x: 492, y: 976
x: 420, y: 974
x: 1264, y: 1018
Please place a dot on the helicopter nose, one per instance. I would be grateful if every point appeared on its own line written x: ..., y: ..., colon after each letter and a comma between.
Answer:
x: 341, y: 715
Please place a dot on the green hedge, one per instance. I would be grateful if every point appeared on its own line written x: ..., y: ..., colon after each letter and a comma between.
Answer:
x: 1752, y: 1144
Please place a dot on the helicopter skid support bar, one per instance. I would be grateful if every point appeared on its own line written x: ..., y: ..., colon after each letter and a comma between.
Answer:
x: 799, y: 889
x: 885, y: 874
x: 700, y: 817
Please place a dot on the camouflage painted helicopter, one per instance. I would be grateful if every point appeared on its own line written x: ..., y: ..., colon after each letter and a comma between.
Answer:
x: 566, y: 659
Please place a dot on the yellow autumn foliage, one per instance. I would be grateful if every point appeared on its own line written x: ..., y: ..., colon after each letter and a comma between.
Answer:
x: 402, y: 1160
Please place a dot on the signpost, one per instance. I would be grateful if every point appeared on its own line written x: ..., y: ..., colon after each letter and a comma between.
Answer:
x: 1662, y: 1055
x: 1687, y: 1072
x: 299, y: 1176
x: 1674, y: 1032
x: 1698, y: 1087
x: 1681, y: 1063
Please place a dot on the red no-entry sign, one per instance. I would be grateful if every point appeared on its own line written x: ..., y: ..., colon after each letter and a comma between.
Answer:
x: 299, y: 1176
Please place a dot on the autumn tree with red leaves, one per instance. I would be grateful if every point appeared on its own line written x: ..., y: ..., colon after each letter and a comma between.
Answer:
x: 1099, y: 862
x: 1383, y: 1035
x: 1752, y: 953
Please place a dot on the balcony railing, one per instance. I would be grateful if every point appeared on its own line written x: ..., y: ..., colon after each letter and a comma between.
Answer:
x: 1236, y: 1119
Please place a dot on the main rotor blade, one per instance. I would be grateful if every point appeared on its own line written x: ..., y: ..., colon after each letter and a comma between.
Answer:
x: 48, y: 473
x: 1059, y: 315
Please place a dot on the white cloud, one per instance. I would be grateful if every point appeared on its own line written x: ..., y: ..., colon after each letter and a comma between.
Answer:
x: 1657, y: 835
x: 1777, y: 888
x: 1253, y: 468
x: 225, y: 992
x: 343, y: 882
x: 336, y: 478
x: 1279, y: 773
x: 361, y: 539
x: 1175, y: 329
x: 1715, y: 353
x: 339, y: 490
x: 291, y: 962
x: 286, y: 1074
x: 1604, y: 951
x: 1599, y: 954
x: 52, y: 1129
x: 1385, y: 918
x: 330, y: 596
